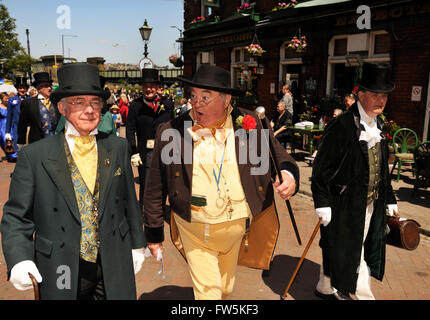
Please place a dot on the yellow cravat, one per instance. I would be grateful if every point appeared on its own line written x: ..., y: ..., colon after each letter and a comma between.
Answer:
x: 85, y: 156
x: 47, y: 103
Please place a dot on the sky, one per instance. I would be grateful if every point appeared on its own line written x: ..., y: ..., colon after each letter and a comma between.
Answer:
x: 99, y: 24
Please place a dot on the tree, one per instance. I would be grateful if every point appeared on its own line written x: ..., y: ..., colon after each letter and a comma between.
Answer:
x: 12, y: 54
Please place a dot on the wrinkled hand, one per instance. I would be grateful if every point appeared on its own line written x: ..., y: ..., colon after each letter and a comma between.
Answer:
x: 19, y: 275
x: 7, y: 136
x: 324, y: 214
x: 393, y: 210
x: 135, y: 160
x: 138, y: 259
x: 288, y: 186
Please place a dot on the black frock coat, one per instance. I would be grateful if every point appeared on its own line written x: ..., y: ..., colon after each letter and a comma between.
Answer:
x: 340, y: 179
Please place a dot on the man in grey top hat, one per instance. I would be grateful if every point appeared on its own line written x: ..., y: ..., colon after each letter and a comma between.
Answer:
x: 72, y: 218
x: 352, y: 191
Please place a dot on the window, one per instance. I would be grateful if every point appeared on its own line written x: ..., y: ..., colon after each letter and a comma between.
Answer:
x: 382, y: 43
x: 205, y: 57
x: 243, y: 70
x: 340, y: 47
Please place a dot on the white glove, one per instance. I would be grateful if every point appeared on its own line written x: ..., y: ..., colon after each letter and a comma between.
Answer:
x: 325, y: 215
x: 19, y: 275
x: 138, y: 259
x: 135, y: 160
x: 7, y: 136
x: 391, y: 208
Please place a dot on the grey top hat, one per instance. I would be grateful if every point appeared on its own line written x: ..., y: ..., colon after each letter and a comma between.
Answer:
x: 376, y: 77
x: 78, y: 79
x: 212, y: 78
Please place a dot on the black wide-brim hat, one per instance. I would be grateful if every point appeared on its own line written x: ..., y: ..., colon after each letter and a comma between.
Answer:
x: 41, y: 77
x: 212, y: 78
x: 77, y: 79
x: 376, y: 77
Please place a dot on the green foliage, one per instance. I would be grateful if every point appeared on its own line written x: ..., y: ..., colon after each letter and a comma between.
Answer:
x: 10, y: 49
x: 391, y: 126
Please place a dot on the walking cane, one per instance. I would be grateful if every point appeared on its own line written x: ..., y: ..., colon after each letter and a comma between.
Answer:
x: 261, y: 115
x: 301, y: 260
x: 35, y: 286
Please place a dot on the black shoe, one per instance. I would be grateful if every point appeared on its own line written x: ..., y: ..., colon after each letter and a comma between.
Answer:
x: 340, y: 296
x: 325, y: 296
x: 12, y: 160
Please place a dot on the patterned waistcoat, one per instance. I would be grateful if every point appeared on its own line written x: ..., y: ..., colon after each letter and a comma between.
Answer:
x: 88, y: 209
x: 375, y: 158
x: 48, y: 119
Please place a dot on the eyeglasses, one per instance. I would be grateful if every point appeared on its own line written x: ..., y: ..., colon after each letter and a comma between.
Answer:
x: 205, y: 99
x: 82, y: 104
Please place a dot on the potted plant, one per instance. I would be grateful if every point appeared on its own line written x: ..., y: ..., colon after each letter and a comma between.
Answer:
x: 299, y: 44
x: 176, y: 60
x: 245, y: 8
x: 255, y: 50
x: 283, y: 5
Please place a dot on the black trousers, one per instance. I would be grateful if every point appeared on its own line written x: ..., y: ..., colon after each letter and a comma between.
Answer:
x: 143, y: 171
x: 90, y: 281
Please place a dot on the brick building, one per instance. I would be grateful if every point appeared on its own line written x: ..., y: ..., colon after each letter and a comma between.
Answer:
x: 338, y: 38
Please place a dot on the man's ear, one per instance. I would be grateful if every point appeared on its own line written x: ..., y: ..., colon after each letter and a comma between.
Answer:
x: 61, y: 108
x: 228, y: 99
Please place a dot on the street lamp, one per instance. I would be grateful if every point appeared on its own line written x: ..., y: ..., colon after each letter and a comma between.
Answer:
x: 180, y: 40
x: 66, y: 35
x: 145, y: 33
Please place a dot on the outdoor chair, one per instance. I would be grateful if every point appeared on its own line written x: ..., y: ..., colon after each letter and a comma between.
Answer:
x: 404, y: 143
x: 422, y: 165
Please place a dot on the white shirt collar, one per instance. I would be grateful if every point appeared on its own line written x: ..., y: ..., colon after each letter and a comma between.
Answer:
x: 70, y: 130
x: 364, y: 116
x: 40, y: 97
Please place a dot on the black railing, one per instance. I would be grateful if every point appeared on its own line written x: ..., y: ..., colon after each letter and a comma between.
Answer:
x: 133, y: 76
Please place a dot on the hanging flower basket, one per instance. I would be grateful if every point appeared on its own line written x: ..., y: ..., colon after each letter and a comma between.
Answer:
x: 298, y: 44
x: 176, y: 61
x: 283, y: 5
x: 245, y: 8
x: 255, y: 50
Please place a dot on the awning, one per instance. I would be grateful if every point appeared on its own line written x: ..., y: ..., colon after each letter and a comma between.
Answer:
x: 315, y: 3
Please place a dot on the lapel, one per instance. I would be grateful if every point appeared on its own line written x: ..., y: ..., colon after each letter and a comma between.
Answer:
x: 358, y: 129
x: 187, y: 144
x: 58, y: 169
x: 107, y: 162
x: 243, y: 168
x: 36, y: 111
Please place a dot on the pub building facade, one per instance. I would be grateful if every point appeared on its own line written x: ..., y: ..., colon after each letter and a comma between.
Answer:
x: 338, y: 41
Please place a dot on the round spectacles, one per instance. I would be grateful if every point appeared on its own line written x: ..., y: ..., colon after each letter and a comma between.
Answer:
x: 82, y: 104
x: 205, y: 99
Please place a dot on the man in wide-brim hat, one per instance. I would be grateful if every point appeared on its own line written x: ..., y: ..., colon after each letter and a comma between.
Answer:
x: 214, y: 195
x: 352, y: 191
x: 38, y: 112
x: 145, y: 114
x: 74, y: 191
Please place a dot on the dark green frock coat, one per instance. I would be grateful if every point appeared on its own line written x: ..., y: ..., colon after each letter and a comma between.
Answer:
x: 340, y: 179
x: 41, y: 219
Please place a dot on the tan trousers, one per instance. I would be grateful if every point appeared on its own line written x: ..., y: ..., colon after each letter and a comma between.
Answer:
x: 363, y: 291
x: 212, y: 251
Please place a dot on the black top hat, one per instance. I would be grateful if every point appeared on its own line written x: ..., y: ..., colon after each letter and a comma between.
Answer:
x: 41, y: 77
x: 376, y: 77
x: 21, y: 81
x: 78, y: 79
x: 150, y: 75
x: 212, y: 78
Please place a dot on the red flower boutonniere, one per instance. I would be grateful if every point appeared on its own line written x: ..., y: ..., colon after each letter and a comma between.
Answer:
x: 246, y: 122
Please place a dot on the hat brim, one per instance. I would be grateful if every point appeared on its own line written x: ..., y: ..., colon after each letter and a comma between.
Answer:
x: 57, y: 95
x: 382, y: 89
x: 232, y: 91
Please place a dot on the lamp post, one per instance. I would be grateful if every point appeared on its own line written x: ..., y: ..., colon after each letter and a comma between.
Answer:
x: 62, y: 39
x: 180, y: 40
x: 145, y: 33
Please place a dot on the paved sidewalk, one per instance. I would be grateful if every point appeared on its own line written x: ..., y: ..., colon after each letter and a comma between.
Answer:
x: 407, y: 273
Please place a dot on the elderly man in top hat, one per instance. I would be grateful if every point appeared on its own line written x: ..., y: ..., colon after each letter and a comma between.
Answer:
x: 38, y: 113
x: 14, y: 107
x: 352, y: 191
x: 214, y: 187
x: 72, y: 218
x: 145, y: 114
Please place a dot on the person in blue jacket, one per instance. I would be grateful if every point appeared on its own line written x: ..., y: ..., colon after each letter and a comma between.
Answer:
x: 13, y: 111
